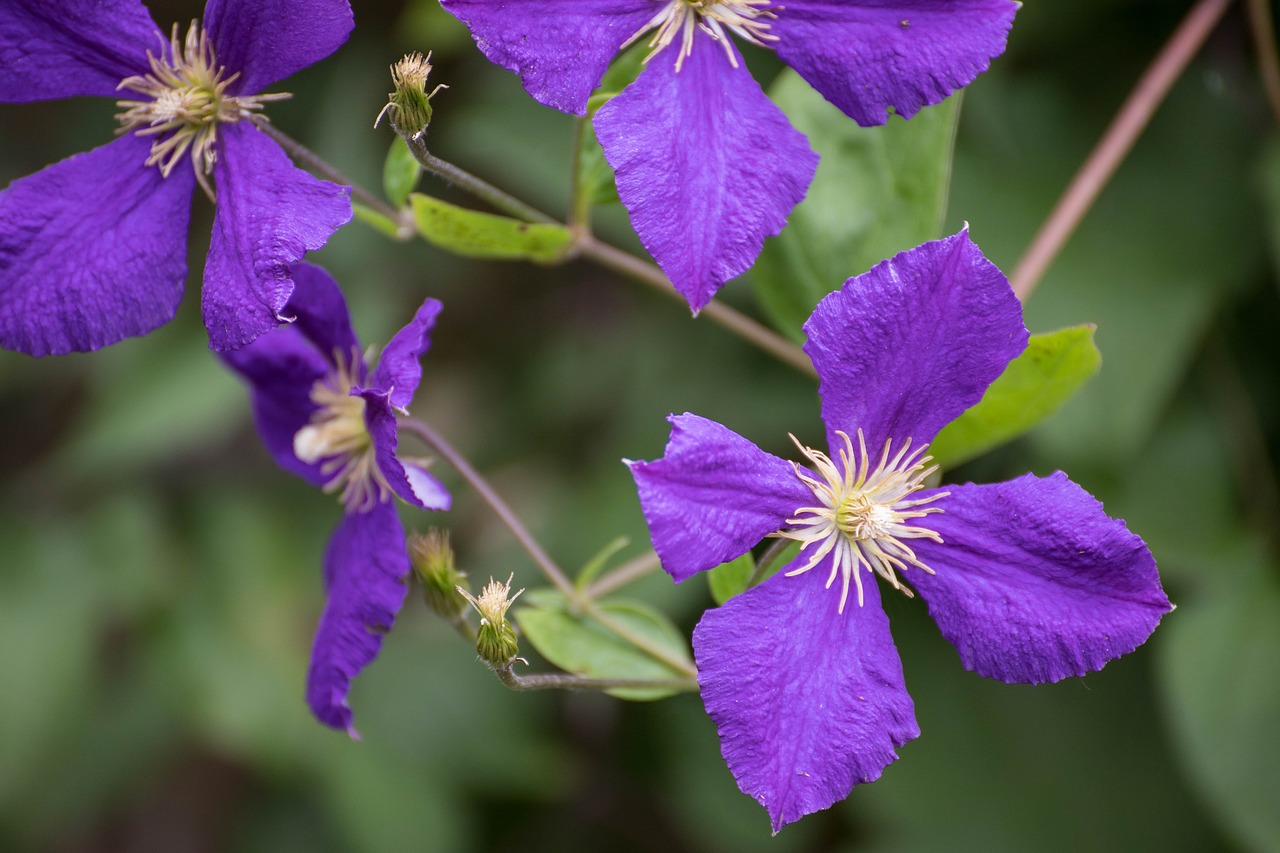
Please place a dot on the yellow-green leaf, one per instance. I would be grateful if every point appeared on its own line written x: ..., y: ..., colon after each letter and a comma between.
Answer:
x: 485, y: 235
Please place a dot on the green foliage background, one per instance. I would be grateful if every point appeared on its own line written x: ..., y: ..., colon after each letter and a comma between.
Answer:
x: 160, y: 579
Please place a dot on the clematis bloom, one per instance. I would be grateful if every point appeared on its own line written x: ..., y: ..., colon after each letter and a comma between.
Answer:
x: 326, y: 417
x: 705, y: 163
x: 1030, y: 580
x: 93, y: 248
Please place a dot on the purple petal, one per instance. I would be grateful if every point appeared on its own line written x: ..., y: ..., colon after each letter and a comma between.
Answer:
x: 72, y: 47
x: 808, y: 701
x: 281, y: 368
x: 1034, y: 582
x: 380, y: 420
x: 269, y: 215
x: 267, y: 40
x: 560, y: 48
x: 365, y: 569
x: 866, y: 56
x: 429, y: 491
x: 92, y: 250
x: 399, y: 369
x: 713, y: 495
x: 903, y: 349
x: 320, y: 314
x: 705, y: 163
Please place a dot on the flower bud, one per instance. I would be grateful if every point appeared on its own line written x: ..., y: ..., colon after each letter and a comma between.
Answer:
x: 432, y: 560
x: 496, y: 638
x: 409, y: 106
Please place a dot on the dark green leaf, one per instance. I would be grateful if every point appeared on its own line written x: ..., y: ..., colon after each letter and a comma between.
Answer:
x: 597, y: 563
x: 1221, y: 675
x: 399, y: 172
x: 1034, y: 385
x: 728, y: 579
x: 484, y: 235
x: 878, y: 191
x: 583, y: 646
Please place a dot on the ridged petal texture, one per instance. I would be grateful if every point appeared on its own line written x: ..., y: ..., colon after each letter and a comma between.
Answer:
x: 867, y: 56
x: 365, y: 568
x: 713, y: 495
x: 269, y: 214
x: 267, y: 40
x: 93, y: 249
x: 808, y: 701
x: 903, y: 349
x: 1034, y: 582
x: 64, y: 48
x: 705, y: 164
x: 560, y: 48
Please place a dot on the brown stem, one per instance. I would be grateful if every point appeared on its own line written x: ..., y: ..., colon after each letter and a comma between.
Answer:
x: 317, y: 164
x: 1116, y: 143
x: 632, y: 570
x: 1264, y: 44
x: 565, y: 681
x: 459, y: 463
x: 735, y: 321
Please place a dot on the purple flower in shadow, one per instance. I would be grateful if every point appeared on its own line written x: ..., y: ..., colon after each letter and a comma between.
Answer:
x: 325, y: 416
x: 1029, y: 579
x: 706, y: 165
x: 93, y: 248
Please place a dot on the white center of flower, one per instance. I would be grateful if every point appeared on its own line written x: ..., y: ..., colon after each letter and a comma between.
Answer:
x: 187, y: 99
x: 680, y: 18
x: 339, y: 439
x: 862, y: 513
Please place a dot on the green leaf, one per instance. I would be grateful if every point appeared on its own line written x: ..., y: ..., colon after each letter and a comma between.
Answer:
x: 376, y: 220
x: 1053, y: 367
x: 400, y: 172
x: 485, y: 235
x: 597, y: 563
x: 583, y: 646
x: 878, y: 191
x: 1221, y: 677
x: 728, y: 579
x: 596, y: 184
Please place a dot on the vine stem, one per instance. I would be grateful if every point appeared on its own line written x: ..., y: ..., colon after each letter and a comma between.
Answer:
x: 735, y: 321
x: 464, y: 180
x: 1262, y: 25
x: 566, y: 681
x: 630, y: 571
x: 320, y: 166
x: 459, y: 463
x: 588, y: 246
x: 1115, y: 143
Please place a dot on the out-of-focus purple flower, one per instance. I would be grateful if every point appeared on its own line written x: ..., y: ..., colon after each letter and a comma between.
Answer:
x: 707, y: 166
x: 93, y: 249
x: 1029, y: 579
x: 325, y: 416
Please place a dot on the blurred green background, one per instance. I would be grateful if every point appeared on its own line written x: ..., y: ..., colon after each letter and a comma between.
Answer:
x: 160, y: 578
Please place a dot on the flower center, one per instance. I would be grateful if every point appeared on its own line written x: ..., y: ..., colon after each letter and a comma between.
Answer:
x: 339, y: 439
x: 187, y: 99
x: 680, y: 18
x: 863, y: 512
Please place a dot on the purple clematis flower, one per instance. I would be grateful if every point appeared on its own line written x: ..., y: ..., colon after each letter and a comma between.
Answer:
x: 93, y: 249
x: 1029, y: 579
x: 325, y: 416
x: 706, y: 165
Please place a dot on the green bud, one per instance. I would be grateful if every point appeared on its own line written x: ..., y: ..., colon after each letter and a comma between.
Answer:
x: 496, y: 638
x: 432, y: 560
x: 409, y: 106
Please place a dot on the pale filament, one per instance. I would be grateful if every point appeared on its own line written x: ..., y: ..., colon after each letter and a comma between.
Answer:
x: 681, y: 18
x: 187, y: 100
x: 863, y: 512
x: 339, y: 440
